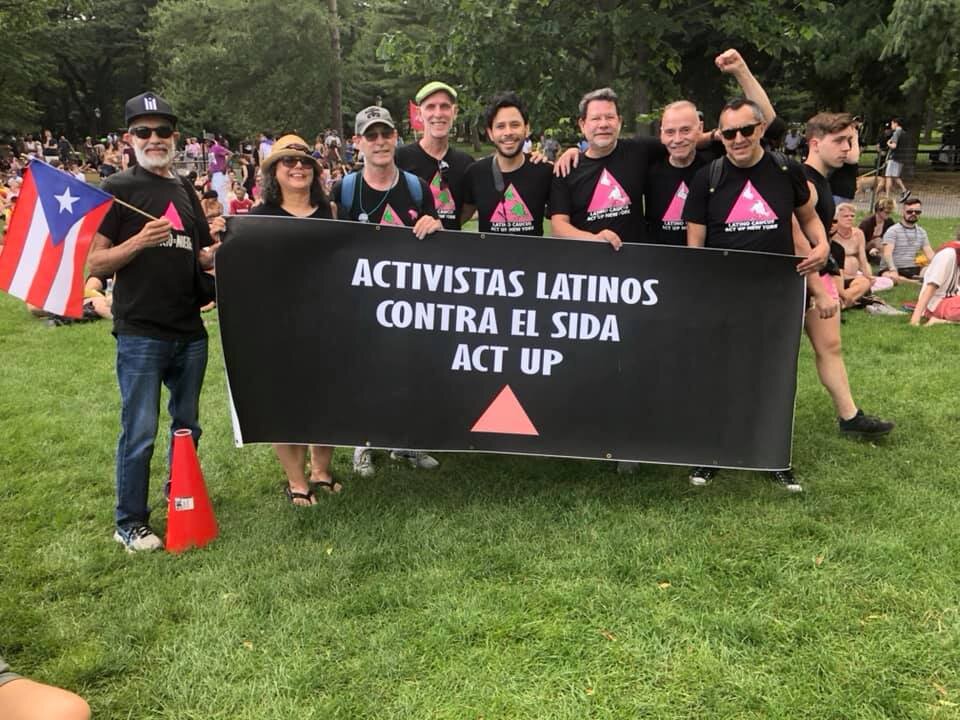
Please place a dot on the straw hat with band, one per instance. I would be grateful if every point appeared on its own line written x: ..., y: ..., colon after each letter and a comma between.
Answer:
x: 289, y: 146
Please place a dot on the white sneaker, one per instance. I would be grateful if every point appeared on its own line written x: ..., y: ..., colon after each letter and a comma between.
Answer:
x: 363, y: 462
x: 416, y: 459
x: 138, y: 538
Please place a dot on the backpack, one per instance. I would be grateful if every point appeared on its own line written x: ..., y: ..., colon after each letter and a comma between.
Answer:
x: 716, y: 167
x: 350, y: 190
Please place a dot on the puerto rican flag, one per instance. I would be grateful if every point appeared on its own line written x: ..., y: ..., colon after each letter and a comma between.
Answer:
x: 48, y: 237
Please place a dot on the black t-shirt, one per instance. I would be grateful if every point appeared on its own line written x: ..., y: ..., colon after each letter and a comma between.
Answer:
x: 825, y: 207
x: 393, y: 207
x: 445, y: 178
x: 751, y: 208
x: 666, y: 194
x: 606, y: 193
x: 322, y: 211
x: 520, y: 207
x: 843, y: 180
x: 156, y: 294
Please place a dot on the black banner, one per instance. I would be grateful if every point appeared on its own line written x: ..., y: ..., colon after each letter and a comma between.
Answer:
x: 348, y: 334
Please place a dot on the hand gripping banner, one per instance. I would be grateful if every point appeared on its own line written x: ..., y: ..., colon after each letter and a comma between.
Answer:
x: 346, y: 334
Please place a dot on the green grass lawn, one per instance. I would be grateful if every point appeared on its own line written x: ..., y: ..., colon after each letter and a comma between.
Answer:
x: 493, y: 587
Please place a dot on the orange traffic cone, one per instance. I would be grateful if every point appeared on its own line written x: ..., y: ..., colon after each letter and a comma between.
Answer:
x: 190, y: 519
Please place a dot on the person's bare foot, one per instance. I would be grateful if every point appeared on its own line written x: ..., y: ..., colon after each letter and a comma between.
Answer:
x: 937, y: 321
x: 326, y: 482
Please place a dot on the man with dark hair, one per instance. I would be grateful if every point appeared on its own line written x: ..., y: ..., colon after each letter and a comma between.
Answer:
x: 830, y: 138
x: 903, y: 242
x: 601, y: 198
x: 157, y: 298
x: 894, y: 168
x: 441, y: 166
x: 508, y: 190
x: 750, y: 205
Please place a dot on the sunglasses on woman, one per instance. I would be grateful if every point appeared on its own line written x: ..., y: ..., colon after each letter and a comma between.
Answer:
x: 292, y: 161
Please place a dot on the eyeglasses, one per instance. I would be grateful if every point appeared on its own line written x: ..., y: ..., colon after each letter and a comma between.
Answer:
x: 291, y: 161
x: 913, y: 212
x: 144, y: 132
x: 385, y: 133
x: 745, y: 130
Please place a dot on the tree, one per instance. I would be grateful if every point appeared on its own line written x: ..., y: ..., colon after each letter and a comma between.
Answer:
x: 222, y: 74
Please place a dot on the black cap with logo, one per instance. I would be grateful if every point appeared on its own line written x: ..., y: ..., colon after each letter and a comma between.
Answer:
x: 148, y: 103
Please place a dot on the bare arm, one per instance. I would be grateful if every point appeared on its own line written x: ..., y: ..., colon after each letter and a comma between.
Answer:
x: 106, y: 260
x: 817, y: 237
x: 853, y: 157
x: 563, y: 228
x: 696, y: 235
x: 862, y: 254
x: 925, y: 295
x: 927, y: 250
x: 466, y: 213
x: 732, y: 63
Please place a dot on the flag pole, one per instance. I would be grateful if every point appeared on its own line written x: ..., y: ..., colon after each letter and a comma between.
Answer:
x: 135, y: 209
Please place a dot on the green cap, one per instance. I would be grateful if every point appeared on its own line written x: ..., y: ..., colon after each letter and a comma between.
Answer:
x: 431, y: 87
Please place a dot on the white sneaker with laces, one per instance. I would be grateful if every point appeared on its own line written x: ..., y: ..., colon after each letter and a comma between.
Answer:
x: 137, y: 538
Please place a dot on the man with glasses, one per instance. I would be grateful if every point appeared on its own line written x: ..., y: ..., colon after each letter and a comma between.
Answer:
x: 902, y: 243
x: 156, y: 303
x: 383, y: 193
x: 443, y: 167
x: 747, y: 201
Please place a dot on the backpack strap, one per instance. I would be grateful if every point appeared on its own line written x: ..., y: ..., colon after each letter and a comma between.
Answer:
x: 348, y: 190
x: 351, y: 186
x: 779, y: 158
x: 414, y: 188
x: 716, y: 173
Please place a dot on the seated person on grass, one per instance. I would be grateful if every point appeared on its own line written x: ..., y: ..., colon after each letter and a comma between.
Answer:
x: 23, y: 699
x: 858, y: 278
x: 902, y: 243
x: 874, y: 226
x: 939, y: 300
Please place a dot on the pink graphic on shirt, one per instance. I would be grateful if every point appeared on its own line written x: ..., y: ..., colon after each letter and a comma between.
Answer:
x: 608, y: 194
x: 442, y: 197
x: 390, y: 217
x: 512, y: 210
x: 750, y: 207
x: 174, y: 217
x: 674, y: 212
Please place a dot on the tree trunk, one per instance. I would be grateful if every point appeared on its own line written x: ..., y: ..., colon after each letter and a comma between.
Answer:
x: 336, y: 81
x: 641, y: 92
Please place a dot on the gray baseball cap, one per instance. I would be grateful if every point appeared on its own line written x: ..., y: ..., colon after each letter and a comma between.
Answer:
x: 372, y: 116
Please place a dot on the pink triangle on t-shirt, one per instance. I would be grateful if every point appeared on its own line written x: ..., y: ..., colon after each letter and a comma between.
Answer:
x: 513, y: 209
x: 674, y: 212
x: 750, y: 206
x: 442, y: 197
x: 608, y: 194
x: 390, y: 217
x: 174, y: 217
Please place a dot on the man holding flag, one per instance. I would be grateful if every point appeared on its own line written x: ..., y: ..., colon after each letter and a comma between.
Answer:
x: 157, y: 297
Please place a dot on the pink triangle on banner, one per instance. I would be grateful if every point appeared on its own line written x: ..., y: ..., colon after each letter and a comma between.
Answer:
x: 513, y: 209
x: 674, y: 212
x: 750, y: 206
x: 505, y: 416
x: 390, y: 217
x: 608, y: 194
x: 442, y: 197
x: 173, y: 216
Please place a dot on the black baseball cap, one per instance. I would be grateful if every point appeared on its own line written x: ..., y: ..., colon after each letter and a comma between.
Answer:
x: 148, y: 103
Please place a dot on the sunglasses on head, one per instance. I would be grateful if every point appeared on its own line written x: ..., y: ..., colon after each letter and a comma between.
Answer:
x: 745, y: 130
x: 292, y: 161
x: 385, y: 133
x: 144, y: 132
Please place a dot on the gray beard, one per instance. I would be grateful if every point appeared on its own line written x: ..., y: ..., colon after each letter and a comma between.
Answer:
x: 152, y: 163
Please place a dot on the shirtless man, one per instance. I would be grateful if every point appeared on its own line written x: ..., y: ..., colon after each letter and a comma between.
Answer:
x: 857, y: 276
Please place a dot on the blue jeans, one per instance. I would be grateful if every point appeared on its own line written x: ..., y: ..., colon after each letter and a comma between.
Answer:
x: 142, y: 365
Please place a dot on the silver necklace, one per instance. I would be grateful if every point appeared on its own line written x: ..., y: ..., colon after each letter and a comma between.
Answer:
x: 364, y: 216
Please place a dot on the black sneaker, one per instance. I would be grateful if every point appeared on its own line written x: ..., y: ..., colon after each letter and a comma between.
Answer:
x: 865, y: 426
x: 904, y: 196
x: 701, y: 476
x: 786, y: 480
